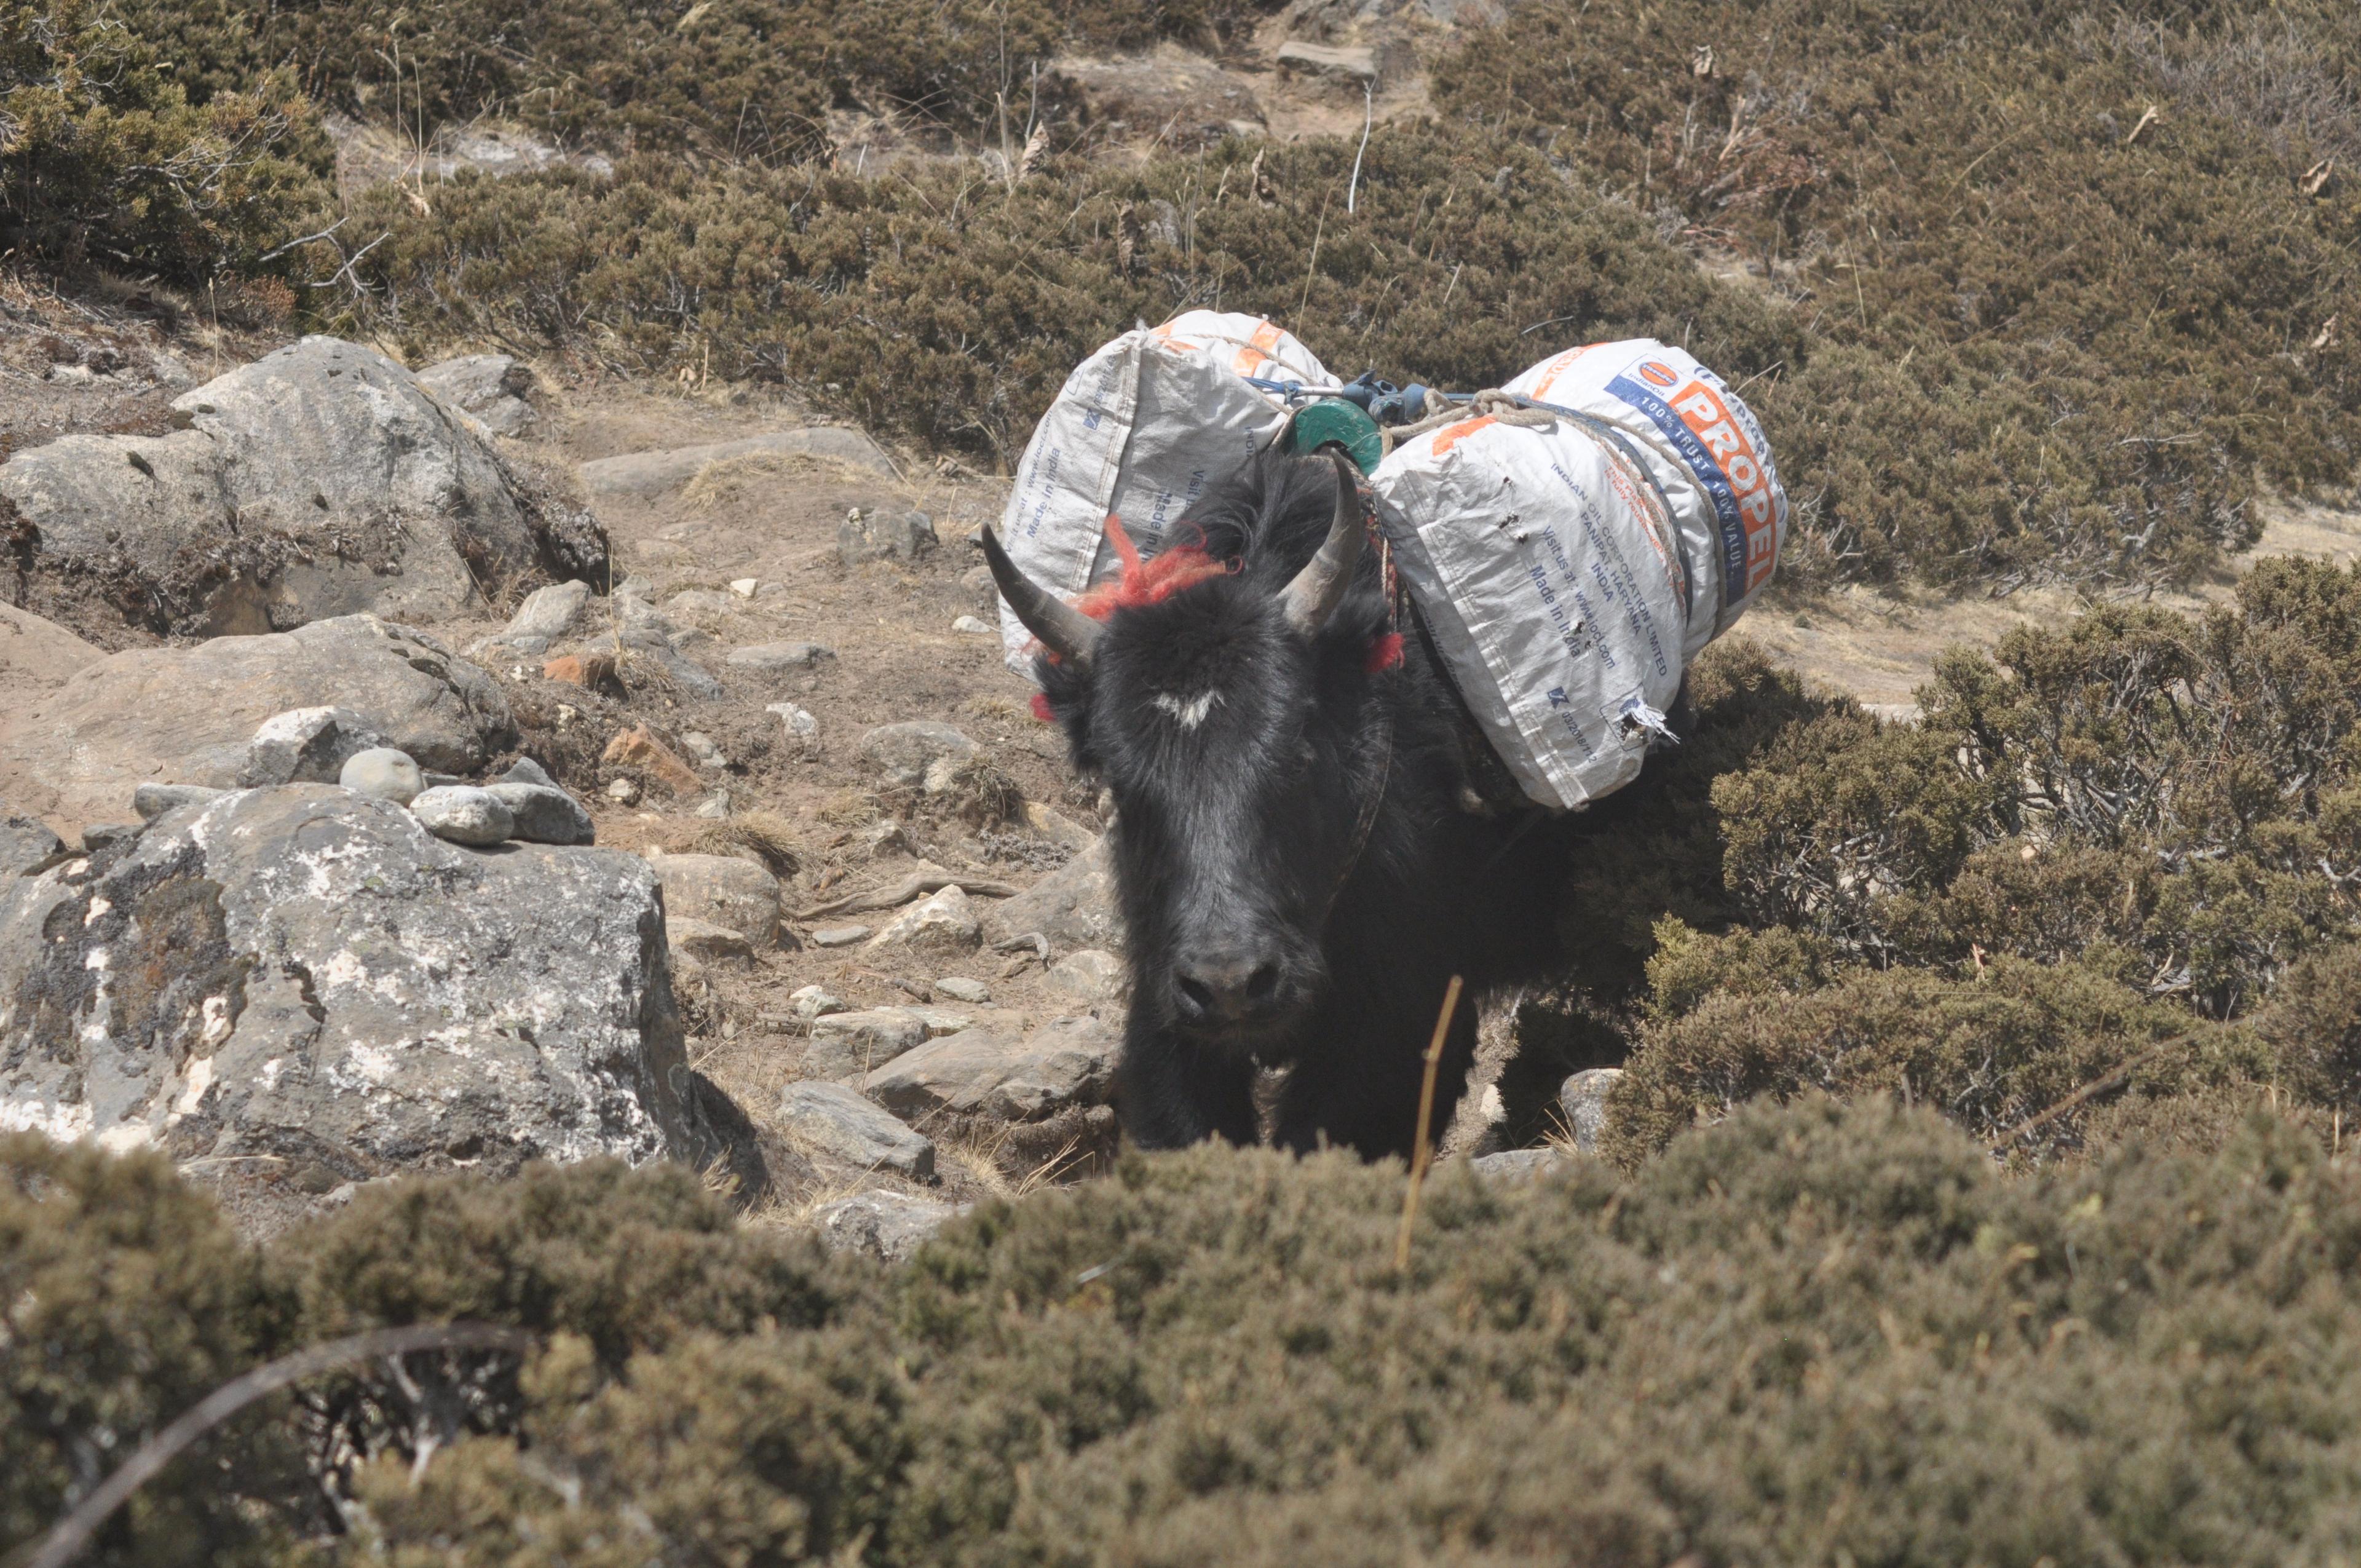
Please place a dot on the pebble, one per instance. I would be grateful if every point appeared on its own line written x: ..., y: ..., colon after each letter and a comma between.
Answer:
x: 700, y: 746
x: 972, y: 627
x: 745, y: 587
x: 463, y: 814
x: 958, y: 988
x: 153, y: 800
x: 888, y: 1225
x: 383, y: 773
x: 544, y: 814
x: 715, y: 807
x: 800, y: 724
x: 98, y: 836
x: 707, y: 942
x: 623, y: 791
x: 1583, y: 1098
x: 846, y: 1043
x: 766, y: 656
x: 1093, y: 974
x: 807, y: 1002
x: 837, y: 935
x: 525, y: 770
x: 945, y: 922
x: 305, y: 745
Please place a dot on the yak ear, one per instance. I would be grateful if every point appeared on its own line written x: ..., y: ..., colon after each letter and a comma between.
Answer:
x: 1063, y: 630
x: 1313, y: 596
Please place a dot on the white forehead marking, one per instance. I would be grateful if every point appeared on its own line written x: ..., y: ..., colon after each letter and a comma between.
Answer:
x: 1188, y: 711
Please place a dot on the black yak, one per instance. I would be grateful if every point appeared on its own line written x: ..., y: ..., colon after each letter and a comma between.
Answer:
x: 1296, y: 873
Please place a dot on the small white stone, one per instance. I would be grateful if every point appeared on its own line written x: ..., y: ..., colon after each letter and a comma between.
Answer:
x: 463, y: 814
x: 972, y: 627
x: 945, y: 922
x: 807, y: 1002
x: 623, y: 791
x: 745, y: 587
x: 801, y: 726
x: 958, y: 988
x: 384, y: 772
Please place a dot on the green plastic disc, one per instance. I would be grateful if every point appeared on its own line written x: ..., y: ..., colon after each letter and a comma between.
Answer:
x: 1332, y: 420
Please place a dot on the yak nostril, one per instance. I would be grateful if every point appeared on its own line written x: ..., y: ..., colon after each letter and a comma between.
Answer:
x: 1195, y: 994
x: 1225, y: 989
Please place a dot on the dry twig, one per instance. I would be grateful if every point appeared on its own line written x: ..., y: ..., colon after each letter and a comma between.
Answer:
x: 1421, y: 1153
x: 67, y: 1539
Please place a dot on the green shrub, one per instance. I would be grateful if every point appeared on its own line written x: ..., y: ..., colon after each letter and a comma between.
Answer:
x: 104, y: 163
x: 733, y: 79
x: 1990, y: 1052
x: 950, y: 309
x: 2168, y: 798
x: 623, y: 1261
x: 1813, y: 1333
x: 2039, y: 347
x: 127, y: 1300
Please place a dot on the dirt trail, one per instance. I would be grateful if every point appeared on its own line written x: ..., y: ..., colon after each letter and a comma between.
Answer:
x: 1880, y: 647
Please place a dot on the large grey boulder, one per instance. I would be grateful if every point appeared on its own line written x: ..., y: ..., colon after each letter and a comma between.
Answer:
x: 188, y: 715
x: 304, y: 973
x: 321, y: 481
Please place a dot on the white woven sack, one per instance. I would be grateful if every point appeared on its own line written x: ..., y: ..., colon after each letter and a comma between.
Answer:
x: 1142, y: 428
x: 1569, y: 571
x: 1705, y: 453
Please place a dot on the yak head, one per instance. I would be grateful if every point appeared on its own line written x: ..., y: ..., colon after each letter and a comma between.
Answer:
x: 1219, y: 694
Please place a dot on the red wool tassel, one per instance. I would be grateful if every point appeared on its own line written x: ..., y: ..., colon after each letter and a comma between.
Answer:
x: 1041, y: 707
x: 1385, y: 652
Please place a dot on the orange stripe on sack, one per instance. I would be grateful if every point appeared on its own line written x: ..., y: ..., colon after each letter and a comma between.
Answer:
x: 1558, y: 367
x: 1266, y: 338
x: 1450, y: 435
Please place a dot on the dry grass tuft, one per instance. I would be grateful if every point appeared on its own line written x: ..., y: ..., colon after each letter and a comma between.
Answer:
x: 764, y: 836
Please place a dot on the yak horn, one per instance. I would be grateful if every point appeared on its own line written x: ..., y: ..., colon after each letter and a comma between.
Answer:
x: 1063, y: 630
x: 1315, y: 592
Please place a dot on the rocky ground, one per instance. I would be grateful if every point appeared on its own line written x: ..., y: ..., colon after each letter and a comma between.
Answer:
x: 407, y: 771
x: 737, y: 840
